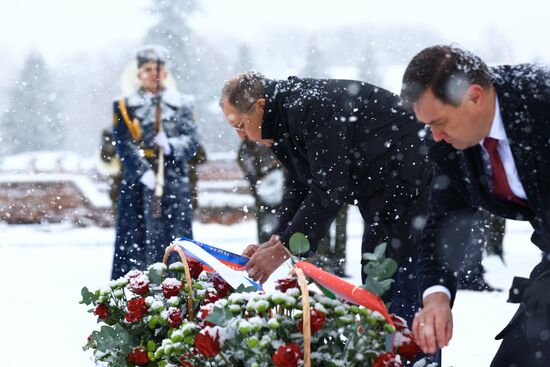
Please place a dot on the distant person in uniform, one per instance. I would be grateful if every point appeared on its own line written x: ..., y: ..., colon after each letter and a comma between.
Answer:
x: 147, y: 223
x: 266, y: 177
x: 331, y: 252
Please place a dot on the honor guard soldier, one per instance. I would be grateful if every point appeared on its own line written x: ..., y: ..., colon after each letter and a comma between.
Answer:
x: 155, y: 136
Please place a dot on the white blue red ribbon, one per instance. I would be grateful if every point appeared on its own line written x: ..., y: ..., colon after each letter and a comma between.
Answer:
x: 228, y: 265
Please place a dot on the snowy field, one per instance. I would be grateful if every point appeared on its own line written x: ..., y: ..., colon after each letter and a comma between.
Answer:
x: 43, y: 268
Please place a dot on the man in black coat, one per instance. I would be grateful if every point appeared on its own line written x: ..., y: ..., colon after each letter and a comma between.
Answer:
x: 341, y: 141
x: 490, y: 148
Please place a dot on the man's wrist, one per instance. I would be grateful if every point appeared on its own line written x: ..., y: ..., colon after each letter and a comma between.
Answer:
x: 436, y: 289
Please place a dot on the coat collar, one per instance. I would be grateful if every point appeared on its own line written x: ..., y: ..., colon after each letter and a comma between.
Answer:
x: 271, y: 110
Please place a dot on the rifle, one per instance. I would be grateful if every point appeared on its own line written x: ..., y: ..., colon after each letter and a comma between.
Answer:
x: 159, y: 186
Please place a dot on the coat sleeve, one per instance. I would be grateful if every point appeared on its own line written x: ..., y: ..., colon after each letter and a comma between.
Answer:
x: 186, y: 142
x: 133, y: 164
x: 445, y: 236
x: 326, y: 143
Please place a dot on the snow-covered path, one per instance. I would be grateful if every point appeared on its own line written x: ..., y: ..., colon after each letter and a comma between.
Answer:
x: 43, y: 268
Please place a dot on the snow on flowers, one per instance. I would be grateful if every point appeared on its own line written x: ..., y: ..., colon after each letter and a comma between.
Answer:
x: 144, y: 321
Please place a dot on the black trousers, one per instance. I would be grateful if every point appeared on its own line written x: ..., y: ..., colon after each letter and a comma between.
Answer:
x: 400, y: 226
x: 526, y: 339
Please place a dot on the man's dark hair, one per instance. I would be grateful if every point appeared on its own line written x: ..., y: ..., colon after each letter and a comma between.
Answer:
x: 243, y: 90
x: 447, y: 70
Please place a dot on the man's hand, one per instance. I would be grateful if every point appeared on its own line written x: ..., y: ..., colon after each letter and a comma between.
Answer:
x: 251, y: 249
x: 433, y: 325
x: 266, y: 259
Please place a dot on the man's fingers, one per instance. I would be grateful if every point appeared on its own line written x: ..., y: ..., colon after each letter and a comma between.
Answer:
x: 254, y: 273
x: 449, y: 330
x: 251, y: 262
x: 441, y: 332
x: 250, y: 250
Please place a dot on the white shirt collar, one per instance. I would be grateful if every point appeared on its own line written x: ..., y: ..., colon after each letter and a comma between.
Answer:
x: 497, y: 126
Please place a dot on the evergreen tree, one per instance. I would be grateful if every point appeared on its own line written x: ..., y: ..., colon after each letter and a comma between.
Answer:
x: 369, y: 70
x: 316, y: 65
x: 32, y: 120
x: 244, y: 59
x: 172, y: 31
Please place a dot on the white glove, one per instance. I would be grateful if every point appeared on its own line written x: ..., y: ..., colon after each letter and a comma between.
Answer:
x: 162, y: 141
x: 149, y: 179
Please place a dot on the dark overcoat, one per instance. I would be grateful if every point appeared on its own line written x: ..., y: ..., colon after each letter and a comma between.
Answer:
x: 140, y: 237
x: 345, y: 141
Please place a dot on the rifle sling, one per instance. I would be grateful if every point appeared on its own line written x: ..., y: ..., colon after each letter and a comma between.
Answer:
x: 132, y: 125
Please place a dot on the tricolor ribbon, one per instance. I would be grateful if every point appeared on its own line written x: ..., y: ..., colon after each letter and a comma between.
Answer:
x: 228, y: 265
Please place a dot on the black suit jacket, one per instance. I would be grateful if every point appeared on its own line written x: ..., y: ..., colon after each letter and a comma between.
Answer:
x: 460, y: 184
x: 341, y: 141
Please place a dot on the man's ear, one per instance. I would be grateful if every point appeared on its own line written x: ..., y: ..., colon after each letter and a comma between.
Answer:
x: 475, y: 94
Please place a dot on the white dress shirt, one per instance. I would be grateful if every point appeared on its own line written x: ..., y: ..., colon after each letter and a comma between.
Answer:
x: 505, y: 153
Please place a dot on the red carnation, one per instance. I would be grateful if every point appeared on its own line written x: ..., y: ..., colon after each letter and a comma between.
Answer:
x: 408, y: 349
x: 221, y: 286
x: 287, y: 355
x: 284, y: 284
x: 136, y: 309
x: 204, y: 312
x: 195, y: 268
x: 317, y: 320
x: 387, y: 359
x: 206, y: 344
x: 140, y: 284
x: 184, y: 360
x: 133, y: 273
x: 399, y: 322
x: 211, y: 297
x: 171, y: 287
x: 101, y: 311
x: 175, y: 317
x: 138, y: 356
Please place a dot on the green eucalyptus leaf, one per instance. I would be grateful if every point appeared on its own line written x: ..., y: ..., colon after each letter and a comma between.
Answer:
x: 219, y: 316
x: 387, y: 268
x: 369, y: 256
x: 87, y: 296
x: 244, y: 289
x: 298, y: 243
x: 381, y: 270
x: 380, y: 251
x: 373, y: 286
x: 377, y: 287
x: 155, y: 275
x: 112, y: 339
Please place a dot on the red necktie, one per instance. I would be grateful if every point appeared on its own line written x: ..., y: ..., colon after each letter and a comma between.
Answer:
x: 501, y: 188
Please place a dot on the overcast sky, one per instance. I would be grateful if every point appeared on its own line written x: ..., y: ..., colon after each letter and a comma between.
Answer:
x: 59, y: 28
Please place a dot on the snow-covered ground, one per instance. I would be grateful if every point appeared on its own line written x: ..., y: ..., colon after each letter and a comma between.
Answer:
x: 43, y: 268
